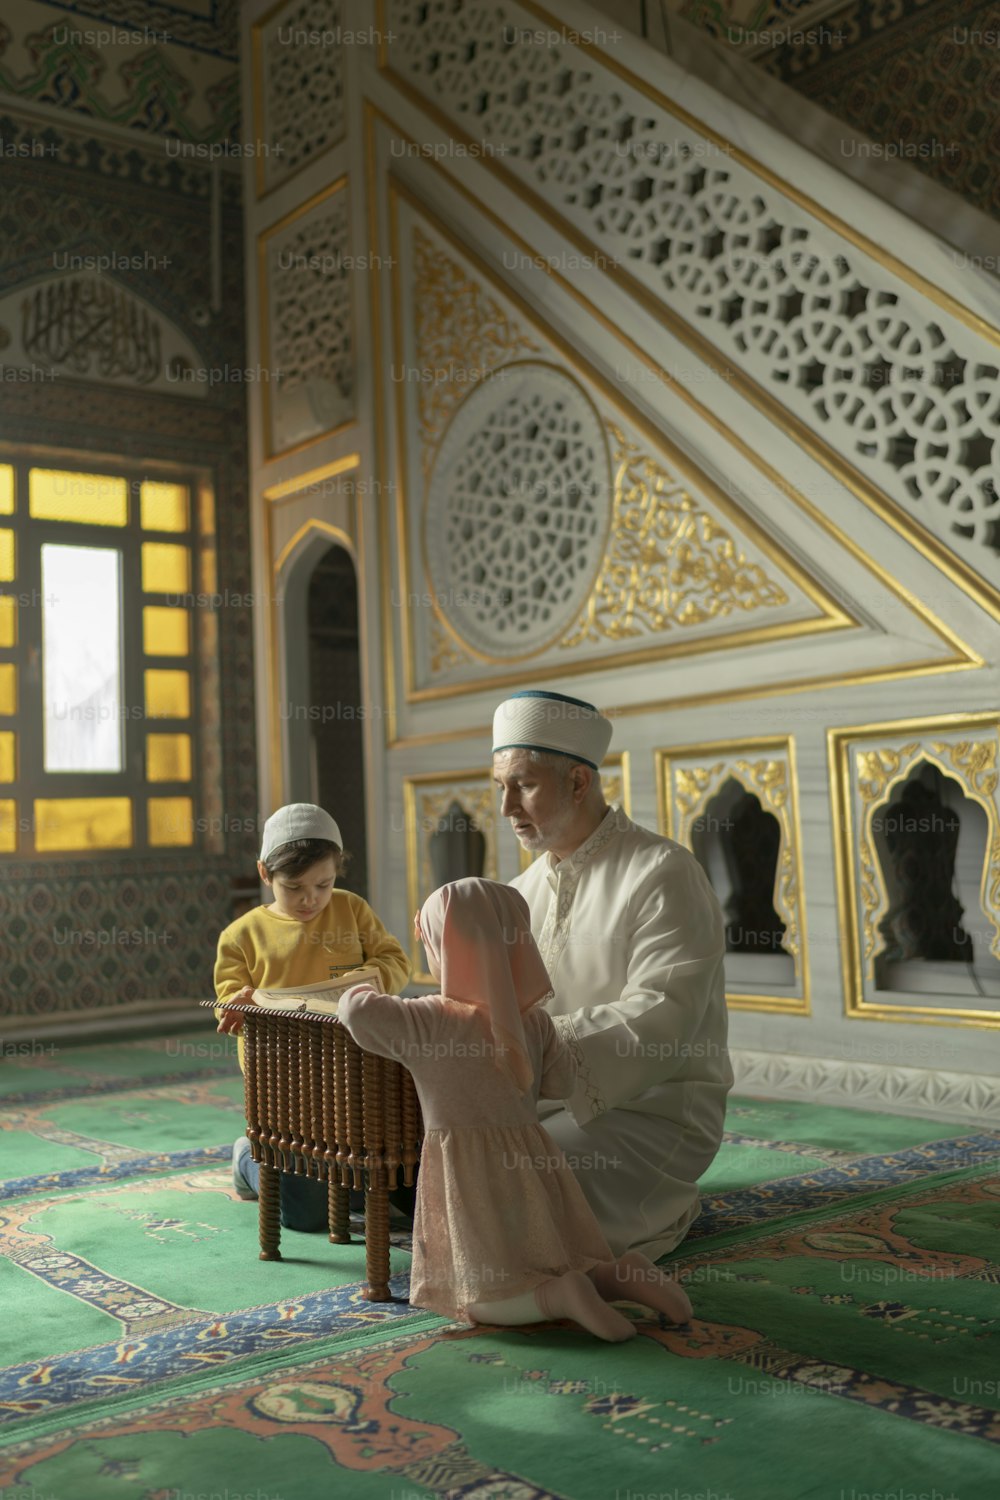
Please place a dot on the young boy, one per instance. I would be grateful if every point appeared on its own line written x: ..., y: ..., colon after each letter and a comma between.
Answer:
x: 310, y: 932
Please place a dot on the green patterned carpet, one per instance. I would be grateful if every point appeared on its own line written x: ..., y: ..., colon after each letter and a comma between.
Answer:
x: 846, y: 1339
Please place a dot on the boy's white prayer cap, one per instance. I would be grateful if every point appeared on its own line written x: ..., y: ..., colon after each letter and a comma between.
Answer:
x: 535, y: 720
x: 299, y: 820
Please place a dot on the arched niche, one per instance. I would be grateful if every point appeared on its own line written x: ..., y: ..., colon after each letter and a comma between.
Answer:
x: 738, y: 843
x: 931, y: 845
x: 457, y: 846
x: 321, y: 710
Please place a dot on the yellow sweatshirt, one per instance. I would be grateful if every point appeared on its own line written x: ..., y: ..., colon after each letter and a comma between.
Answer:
x: 266, y: 950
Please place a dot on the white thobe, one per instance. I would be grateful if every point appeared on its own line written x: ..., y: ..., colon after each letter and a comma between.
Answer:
x: 633, y: 938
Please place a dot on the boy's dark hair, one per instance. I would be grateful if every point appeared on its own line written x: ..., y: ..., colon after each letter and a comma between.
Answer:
x: 301, y: 854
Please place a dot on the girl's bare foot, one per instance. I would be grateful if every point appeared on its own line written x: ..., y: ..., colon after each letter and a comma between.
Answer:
x: 575, y: 1296
x: 634, y: 1277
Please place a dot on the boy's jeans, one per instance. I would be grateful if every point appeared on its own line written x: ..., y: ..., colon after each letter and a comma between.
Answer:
x: 304, y: 1201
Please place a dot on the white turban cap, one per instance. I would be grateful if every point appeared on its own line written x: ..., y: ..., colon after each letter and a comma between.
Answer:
x: 297, y: 820
x: 551, y: 721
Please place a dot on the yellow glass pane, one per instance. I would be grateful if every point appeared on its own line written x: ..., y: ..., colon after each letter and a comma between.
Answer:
x: 6, y: 556
x: 8, y: 688
x: 8, y: 755
x: 166, y: 568
x: 8, y: 827
x: 168, y: 757
x: 163, y: 507
x: 83, y: 823
x: 168, y: 695
x: 171, y: 822
x: 58, y: 495
x: 6, y: 490
x: 8, y: 620
x: 165, y: 632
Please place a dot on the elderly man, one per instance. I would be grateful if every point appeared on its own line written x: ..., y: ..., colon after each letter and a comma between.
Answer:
x: 633, y: 939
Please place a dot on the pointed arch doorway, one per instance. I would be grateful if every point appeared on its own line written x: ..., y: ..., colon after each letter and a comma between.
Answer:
x: 322, y: 708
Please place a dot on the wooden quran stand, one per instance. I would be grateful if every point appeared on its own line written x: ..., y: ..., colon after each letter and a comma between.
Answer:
x: 318, y: 1106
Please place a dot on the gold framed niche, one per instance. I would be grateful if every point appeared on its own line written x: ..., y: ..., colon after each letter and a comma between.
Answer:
x: 616, y: 783
x: 688, y: 777
x: 427, y: 798
x: 867, y: 763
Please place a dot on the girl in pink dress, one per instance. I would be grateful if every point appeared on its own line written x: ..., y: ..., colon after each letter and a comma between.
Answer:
x: 502, y: 1232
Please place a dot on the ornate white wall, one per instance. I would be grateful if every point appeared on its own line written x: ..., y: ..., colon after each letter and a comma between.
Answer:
x: 605, y: 391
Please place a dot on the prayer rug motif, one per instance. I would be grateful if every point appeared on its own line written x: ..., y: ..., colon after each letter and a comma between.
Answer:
x: 841, y: 1260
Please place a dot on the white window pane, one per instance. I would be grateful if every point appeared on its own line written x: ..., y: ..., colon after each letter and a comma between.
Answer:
x: 81, y: 658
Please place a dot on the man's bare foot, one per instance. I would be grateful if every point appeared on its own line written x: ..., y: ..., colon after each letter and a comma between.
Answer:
x: 575, y: 1296
x: 634, y: 1277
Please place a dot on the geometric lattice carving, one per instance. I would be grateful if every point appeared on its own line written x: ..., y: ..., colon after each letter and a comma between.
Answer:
x: 461, y: 336
x: 517, y: 510
x: 908, y: 394
x: 309, y: 345
x: 669, y: 561
x: 299, y: 75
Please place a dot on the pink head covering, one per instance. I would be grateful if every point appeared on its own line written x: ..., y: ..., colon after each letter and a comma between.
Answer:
x: 479, y: 934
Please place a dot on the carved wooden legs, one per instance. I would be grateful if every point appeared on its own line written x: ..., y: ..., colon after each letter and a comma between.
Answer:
x: 269, y: 1190
x: 340, y: 1213
x: 377, y: 1237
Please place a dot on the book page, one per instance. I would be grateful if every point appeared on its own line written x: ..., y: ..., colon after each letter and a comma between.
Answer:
x: 322, y: 997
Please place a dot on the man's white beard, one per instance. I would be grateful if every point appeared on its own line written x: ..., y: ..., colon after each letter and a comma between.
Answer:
x: 539, y: 842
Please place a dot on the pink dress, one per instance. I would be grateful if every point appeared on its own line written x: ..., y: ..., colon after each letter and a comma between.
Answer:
x: 498, y: 1208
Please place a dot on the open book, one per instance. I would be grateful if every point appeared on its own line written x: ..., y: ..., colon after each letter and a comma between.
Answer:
x: 321, y: 998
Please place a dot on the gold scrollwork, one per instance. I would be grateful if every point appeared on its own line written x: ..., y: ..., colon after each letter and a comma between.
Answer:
x: 446, y: 652
x: 669, y: 561
x: 976, y: 760
x: 462, y: 335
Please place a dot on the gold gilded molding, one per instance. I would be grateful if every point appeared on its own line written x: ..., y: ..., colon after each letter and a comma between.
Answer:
x: 292, y: 488
x: 969, y: 755
x: 335, y: 533
x: 888, y: 510
x: 765, y: 768
x: 426, y: 798
x: 446, y: 650
x: 381, y: 425
x: 458, y: 329
x: 669, y: 561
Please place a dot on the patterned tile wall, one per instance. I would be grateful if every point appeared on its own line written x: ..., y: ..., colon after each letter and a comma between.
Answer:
x: 78, y: 934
